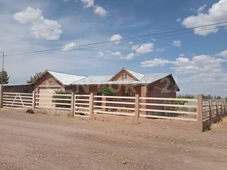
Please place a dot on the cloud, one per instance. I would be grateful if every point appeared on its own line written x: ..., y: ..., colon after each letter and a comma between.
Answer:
x: 145, y: 48
x: 129, y: 56
x: 116, y: 38
x: 154, y: 63
x: 222, y: 54
x: 116, y: 53
x: 182, y: 65
x: 177, y: 43
x: 201, y: 9
x: 217, y: 13
x: 100, y: 11
x: 134, y: 47
x: 160, y: 50
x: 178, y: 20
x: 41, y: 28
x: 88, y: 3
x: 68, y: 47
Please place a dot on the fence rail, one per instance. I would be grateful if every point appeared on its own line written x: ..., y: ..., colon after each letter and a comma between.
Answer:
x: 17, y: 100
x: 204, y: 112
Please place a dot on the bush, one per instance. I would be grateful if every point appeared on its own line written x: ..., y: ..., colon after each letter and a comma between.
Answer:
x: 61, y: 101
x: 107, y: 91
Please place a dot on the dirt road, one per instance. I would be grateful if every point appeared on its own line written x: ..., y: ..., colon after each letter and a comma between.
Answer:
x: 52, y: 142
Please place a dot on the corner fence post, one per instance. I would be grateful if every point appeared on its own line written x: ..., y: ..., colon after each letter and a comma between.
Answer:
x: 137, y: 106
x: 91, y: 106
x: 1, y: 96
x: 72, y: 103
x: 33, y: 100
x: 200, y: 113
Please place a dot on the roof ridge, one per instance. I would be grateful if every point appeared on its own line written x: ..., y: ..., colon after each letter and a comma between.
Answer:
x: 65, y: 73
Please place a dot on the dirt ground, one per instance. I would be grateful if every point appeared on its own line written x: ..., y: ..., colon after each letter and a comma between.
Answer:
x: 38, y: 141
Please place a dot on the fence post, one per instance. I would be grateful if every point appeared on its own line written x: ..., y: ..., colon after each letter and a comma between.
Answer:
x: 33, y: 100
x: 210, y: 109
x: 91, y: 105
x: 1, y: 96
x: 137, y: 107
x: 72, y: 103
x: 200, y: 113
x: 104, y: 103
x: 217, y: 108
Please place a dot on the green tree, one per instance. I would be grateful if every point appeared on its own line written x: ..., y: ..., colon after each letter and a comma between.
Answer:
x: 4, y: 78
x: 33, y: 78
x: 107, y: 91
x: 207, y: 96
x: 226, y: 99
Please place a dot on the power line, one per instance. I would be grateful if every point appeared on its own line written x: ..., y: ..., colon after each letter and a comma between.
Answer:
x: 153, y: 35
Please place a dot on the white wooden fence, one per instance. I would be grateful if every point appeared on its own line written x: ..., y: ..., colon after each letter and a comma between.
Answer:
x: 17, y: 100
x: 196, y: 110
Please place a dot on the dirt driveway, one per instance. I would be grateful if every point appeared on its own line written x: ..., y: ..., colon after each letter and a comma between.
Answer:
x: 52, y: 142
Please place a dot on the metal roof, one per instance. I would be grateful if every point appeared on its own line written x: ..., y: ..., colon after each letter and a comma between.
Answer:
x: 65, y: 78
x: 147, y: 79
x: 70, y: 79
x: 135, y: 74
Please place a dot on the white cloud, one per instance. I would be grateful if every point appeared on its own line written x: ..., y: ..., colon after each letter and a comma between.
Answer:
x: 129, y: 56
x: 145, y: 48
x: 134, y: 47
x: 41, y: 28
x: 182, y: 65
x: 116, y: 38
x: 222, y: 54
x: 178, y: 20
x: 116, y: 53
x: 68, y: 47
x: 154, y: 63
x: 28, y: 15
x: 100, y: 11
x: 100, y: 54
x: 177, y: 43
x: 130, y: 42
x: 217, y: 13
x: 88, y: 3
x: 160, y: 50
x: 201, y: 9
x: 181, y: 55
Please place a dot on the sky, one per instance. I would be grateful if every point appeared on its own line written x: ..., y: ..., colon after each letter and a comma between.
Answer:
x: 99, y: 37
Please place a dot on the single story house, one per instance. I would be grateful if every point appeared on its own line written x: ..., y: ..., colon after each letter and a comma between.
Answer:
x: 125, y: 83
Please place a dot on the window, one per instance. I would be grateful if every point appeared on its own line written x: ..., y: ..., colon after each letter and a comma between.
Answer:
x: 124, y: 76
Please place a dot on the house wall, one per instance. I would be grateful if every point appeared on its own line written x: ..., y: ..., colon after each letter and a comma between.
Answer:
x: 18, y: 88
x: 162, y: 88
x: 48, y: 81
x: 118, y: 76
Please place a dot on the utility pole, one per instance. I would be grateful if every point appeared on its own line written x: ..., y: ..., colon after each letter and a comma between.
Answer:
x: 1, y: 87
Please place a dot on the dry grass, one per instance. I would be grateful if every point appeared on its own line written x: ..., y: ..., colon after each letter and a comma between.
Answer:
x: 221, y: 126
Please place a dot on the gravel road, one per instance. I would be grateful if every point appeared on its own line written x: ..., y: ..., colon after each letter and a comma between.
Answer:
x: 38, y: 141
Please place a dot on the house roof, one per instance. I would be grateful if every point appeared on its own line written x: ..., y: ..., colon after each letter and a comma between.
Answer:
x: 135, y: 74
x: 147, y: 79
x: 70, y: 79
x: 64, y: 78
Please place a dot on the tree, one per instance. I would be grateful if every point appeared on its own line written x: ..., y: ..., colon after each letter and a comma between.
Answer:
x: 4, y: 78
x: 207, y: 97
x: 33, y: 78
x: 226, y: 99
x: 107, y: 91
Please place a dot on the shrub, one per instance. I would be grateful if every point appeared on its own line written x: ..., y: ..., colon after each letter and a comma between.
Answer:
x: 107, y: 91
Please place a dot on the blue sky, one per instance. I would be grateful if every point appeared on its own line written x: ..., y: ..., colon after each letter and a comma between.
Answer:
x: 197, y: 59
